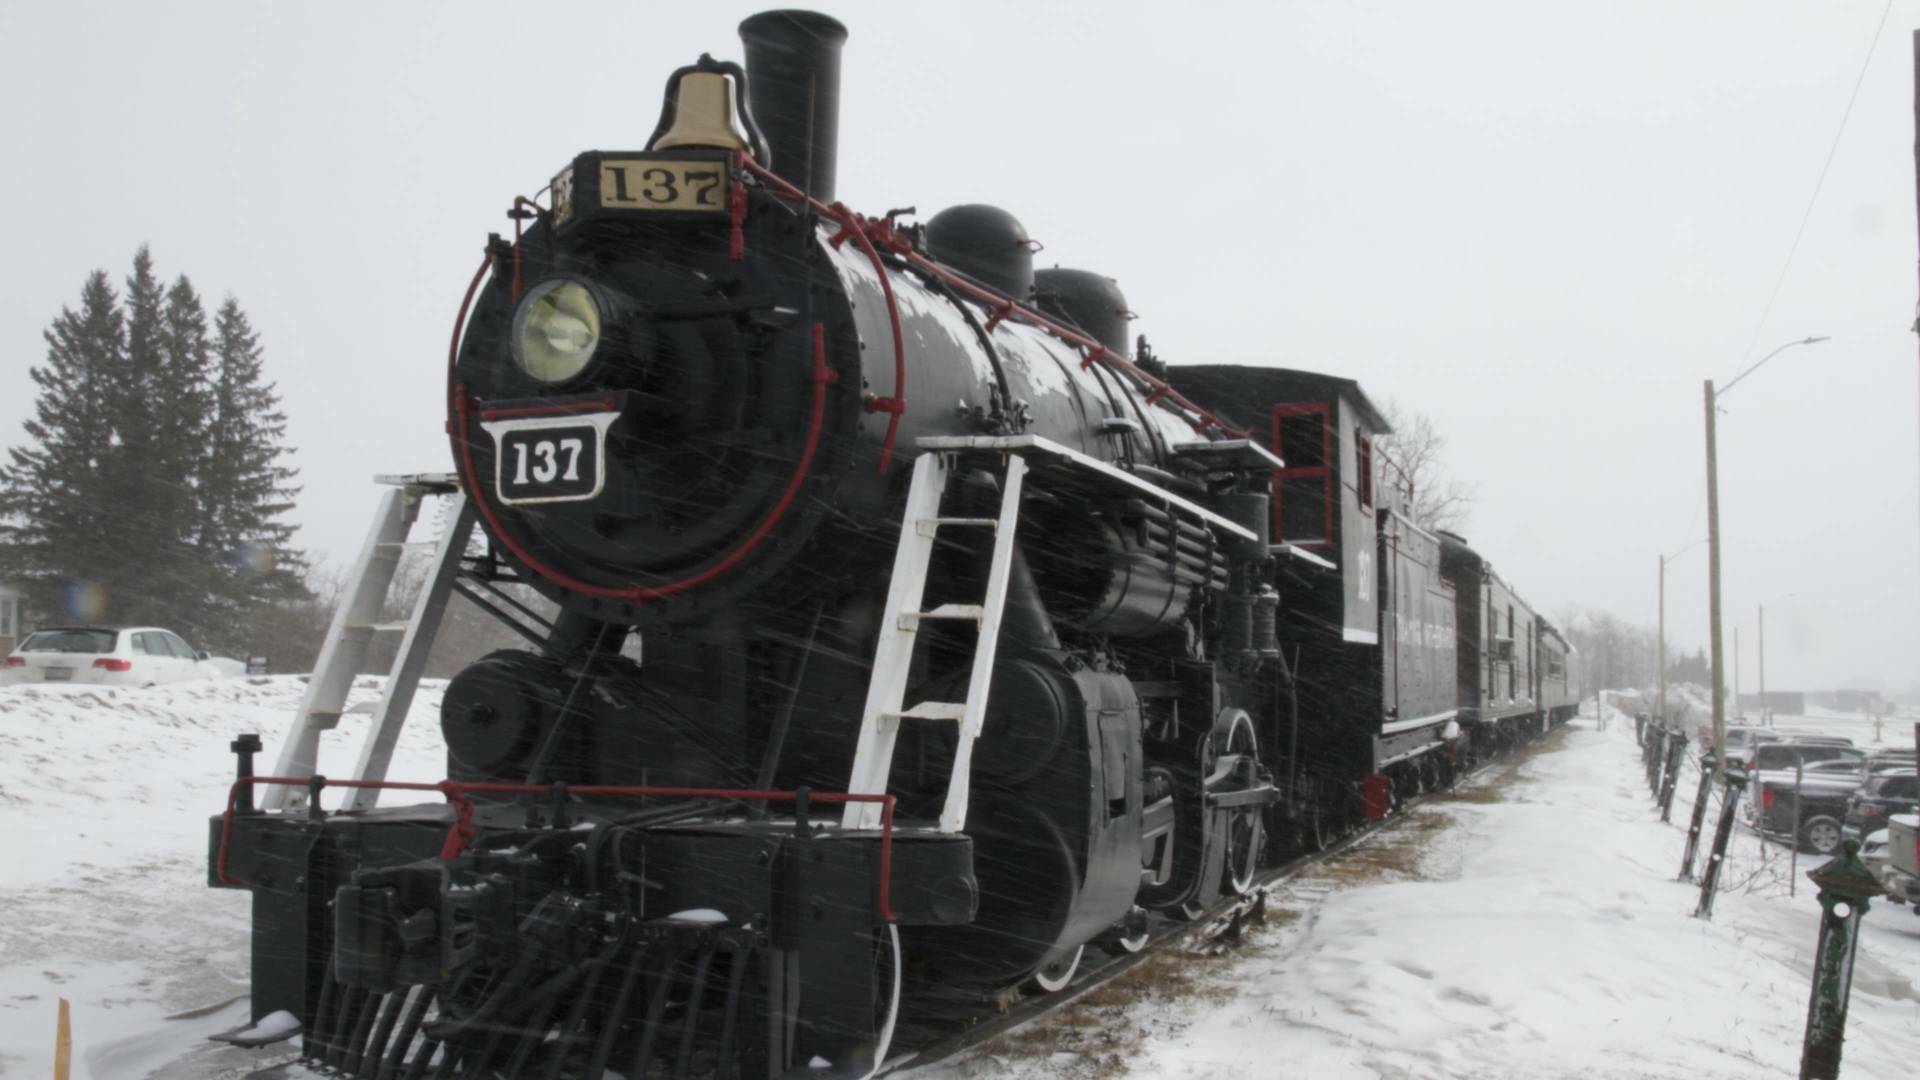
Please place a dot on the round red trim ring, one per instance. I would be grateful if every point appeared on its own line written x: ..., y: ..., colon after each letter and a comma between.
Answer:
x: 461, y: 405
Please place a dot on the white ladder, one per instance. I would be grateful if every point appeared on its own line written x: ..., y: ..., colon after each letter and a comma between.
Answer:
x: 355, y: 626
x: 893, y: 656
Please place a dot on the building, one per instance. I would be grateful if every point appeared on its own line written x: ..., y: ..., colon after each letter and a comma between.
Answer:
x: 10, y: 632
x: 1861, y: 701
x: 1775, y: 702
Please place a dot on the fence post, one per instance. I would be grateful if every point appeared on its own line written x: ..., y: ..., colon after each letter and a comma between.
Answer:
x: 1793, y: 846
x: 1846, y: 886
x: 62, y: 1043
x: 1676, y: 754
x: 1657, y: 759
x: 1699, y: 820
x: 1710, y: 879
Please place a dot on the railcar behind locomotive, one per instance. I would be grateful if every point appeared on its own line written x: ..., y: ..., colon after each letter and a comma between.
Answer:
x: 919, y: 632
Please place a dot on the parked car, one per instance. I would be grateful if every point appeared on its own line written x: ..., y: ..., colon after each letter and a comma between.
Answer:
x: 1740, y: 744
x: 1902, y: 874
x: 1873, y: 852
x: 1882, y: 795
x: 1819, y: 775
x: 104, y: 656
x: 1887, y: 758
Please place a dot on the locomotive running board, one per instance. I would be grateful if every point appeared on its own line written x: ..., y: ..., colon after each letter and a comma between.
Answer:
x: 350, y: 637
x: 1013, y: 445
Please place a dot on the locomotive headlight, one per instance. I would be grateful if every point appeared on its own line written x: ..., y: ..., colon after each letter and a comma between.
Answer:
x: 556, y: 330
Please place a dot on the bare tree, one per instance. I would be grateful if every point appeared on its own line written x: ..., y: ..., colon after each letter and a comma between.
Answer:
x: 1417, y: 450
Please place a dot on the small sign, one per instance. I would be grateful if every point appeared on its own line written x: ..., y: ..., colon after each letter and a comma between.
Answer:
x: 549, y: 459
x: 629, y: 184
x: 684, y: 185
x: 256, y: 665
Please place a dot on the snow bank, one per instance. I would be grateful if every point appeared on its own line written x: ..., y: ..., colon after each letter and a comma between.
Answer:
x: 1541, y: 933
x: 104, y: 800
x: 1527, y: 927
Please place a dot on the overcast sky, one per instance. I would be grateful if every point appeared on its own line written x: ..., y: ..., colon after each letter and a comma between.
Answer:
x: 1542, y: 224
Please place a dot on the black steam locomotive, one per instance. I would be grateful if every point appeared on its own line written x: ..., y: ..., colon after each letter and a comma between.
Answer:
x: 920, y: 631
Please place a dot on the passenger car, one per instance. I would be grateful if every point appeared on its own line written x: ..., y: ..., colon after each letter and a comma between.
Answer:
x: 1901, y: 875
x: 1873, y: 852
x: 1883, y: 794
x: 1741, y: 742
x: 1830, y: 771
x: 104, y: 656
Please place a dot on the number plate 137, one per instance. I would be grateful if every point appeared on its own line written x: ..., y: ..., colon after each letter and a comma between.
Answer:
x: 550, y: 458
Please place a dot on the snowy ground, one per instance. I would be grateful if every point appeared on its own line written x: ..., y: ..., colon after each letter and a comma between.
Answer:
x: 1527, y: 926
x: 104, y: 802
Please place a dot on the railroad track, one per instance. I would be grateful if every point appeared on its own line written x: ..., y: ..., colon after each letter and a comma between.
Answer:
x: 1217, y: 923
x: 1220, y: 921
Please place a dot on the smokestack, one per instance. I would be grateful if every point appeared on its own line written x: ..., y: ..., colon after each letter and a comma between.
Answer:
x: 793, y: 57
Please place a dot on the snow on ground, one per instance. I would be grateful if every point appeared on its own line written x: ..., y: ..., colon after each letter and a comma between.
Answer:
x: 105, y: 795
x: 1527, y: 926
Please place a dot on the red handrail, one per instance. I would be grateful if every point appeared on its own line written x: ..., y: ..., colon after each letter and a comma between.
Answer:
x: 880, y: 231
x: 457, y: 792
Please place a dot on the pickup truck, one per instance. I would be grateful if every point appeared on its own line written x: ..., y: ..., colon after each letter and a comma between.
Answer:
x: 1902, y: 875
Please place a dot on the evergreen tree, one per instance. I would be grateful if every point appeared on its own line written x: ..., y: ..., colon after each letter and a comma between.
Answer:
x: 141, y: 586
x: 153, y: 484
x: 57, y: 506
x: 246, y: 486
x: 179, y: 413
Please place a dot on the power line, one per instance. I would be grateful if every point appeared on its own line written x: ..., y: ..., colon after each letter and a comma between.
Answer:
x: 1794, y: 248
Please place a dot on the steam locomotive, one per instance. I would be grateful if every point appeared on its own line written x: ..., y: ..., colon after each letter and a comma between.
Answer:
x: 920, y: 630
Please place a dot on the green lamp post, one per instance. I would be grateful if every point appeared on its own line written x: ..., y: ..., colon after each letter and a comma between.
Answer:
x: 1846, y: 885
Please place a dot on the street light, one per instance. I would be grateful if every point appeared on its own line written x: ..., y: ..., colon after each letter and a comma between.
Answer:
x: 1713, y: 559
x: 1664, y: 560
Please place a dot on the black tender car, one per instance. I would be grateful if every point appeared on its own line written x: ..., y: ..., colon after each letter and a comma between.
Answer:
x: 1883, y: 795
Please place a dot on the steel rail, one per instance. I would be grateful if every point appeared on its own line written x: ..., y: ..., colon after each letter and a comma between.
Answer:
x: 983, y: 1027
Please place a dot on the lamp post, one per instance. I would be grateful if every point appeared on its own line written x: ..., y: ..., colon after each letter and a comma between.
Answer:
x: 1713, y: 558
x: 1846, y: 888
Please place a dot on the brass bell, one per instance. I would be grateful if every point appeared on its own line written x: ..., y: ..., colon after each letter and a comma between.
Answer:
x: 703, y: 114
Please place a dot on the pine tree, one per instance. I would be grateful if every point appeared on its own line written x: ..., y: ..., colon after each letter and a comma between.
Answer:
x: 142, y: 585
x: 179, y: 414
x: 57, y: 504
x: 245, y: 486
x: 153, y: 486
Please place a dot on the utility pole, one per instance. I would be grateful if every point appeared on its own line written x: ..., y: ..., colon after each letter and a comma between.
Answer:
x: 1736, y: 671
x: 1663, y: 639
x: 1713, y: 557
x: 1766, y: 712
x: 1916, y: 167
x: 1713, y: 588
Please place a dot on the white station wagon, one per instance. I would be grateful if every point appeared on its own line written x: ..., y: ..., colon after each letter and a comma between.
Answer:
x: 104, y: 656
